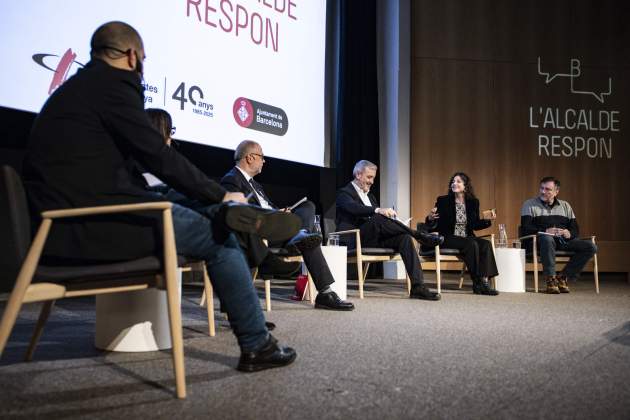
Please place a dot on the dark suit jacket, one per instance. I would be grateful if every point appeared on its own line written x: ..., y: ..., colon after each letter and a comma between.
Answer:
x: 234, y: 181
x: 446, y: 223
x: 79, y: 155
x: 351, y: 212
x: 255, y: 249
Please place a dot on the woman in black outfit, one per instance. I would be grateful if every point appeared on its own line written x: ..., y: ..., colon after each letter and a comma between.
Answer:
x: 456, y: 216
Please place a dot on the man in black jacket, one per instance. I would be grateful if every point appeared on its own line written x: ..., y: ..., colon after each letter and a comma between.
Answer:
x: 358, y: 208
x: 249, y: 160
x: 79, y: 155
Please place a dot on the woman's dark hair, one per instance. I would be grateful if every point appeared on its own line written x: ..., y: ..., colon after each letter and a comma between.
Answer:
x: 161, y: 121
x: 469, y: 191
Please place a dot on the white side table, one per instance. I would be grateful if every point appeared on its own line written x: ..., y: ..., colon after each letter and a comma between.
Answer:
x: 133, y: 321
x: 511, y: 266
x: 337, y: 258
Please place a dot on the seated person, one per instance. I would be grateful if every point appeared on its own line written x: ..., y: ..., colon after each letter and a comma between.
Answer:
x: 79, y: 155
x: 249, y: 160
x: 163, y: 123
x: 456, y: 217
x: 546, y: 213
x: 358, y: 208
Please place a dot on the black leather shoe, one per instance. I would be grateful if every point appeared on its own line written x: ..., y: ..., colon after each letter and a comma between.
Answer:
x: 481, y: 287
x: 428, y: 239
x: 333, y: 302
x: 275, y: 267
x: 270, y: 355
x: 304, y: 241
x: 270, y: 326
x: 423, y: 292
x: 270, y: 224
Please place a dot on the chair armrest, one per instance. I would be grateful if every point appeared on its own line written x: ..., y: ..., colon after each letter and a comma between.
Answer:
x: 490, y: 235
x: 527, y: 237
x: 123, y: 208
x: 344, y: 232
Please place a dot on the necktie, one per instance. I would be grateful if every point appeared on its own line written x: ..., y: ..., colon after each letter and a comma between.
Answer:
x: 262, y: 198
x: 256, y: 188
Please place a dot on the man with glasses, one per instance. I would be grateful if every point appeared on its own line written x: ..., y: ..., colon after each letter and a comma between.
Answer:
x: 556, y: 227
x: 79, y: 155
x: 249, y: 160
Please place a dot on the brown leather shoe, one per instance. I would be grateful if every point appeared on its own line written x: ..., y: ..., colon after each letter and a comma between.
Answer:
x: 563, y: 286
x: 552, y: 285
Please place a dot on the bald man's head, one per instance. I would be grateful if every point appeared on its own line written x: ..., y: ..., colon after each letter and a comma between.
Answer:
x: 114, y: 41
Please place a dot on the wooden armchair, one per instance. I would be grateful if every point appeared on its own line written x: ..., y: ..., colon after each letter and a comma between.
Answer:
x: 364, y: 256
x: 74, y: 281
x: 562, y: 257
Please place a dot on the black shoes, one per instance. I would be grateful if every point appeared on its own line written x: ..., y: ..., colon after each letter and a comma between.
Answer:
x: 428, y: 239
x: 481, y: 287
x: 333, y: 302
x: 270, y: 355
x: 304, y: 241
x: 423, y: 292
x: 276, y: 267
x: 269, y: 224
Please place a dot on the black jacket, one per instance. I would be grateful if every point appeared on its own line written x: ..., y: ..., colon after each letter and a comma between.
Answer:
x: 234, y: 181
x: 351, y: 212
x: 79, y: 155
x: 445, y: 225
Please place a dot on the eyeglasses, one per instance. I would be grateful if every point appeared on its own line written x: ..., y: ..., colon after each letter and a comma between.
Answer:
x: 173, y: 131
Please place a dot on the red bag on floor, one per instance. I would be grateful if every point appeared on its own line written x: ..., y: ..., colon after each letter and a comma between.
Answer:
x: 300, y: 287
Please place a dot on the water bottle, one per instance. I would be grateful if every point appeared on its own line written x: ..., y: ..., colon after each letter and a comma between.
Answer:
x: 317, y: 227
x: 503, y: 239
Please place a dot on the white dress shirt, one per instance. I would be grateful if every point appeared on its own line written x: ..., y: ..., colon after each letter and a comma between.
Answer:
x: 363, y: 196
x: 263, y: 203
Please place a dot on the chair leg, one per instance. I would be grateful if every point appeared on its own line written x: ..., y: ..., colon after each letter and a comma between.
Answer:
x: 202, y: 301
x: 535, y: 260
x: 39, y: 328
x: 208, y: 295
x: 596, y: 273
x: 22, y: 283
x: 438, y: 269
x: 408, y: 285
x: 8, y: 318
x: 268, y: 295
x: 366, y: 267
x: 360, y: 276
x: 461, y: 276
x: 174, y: 304
x: 311, y: 288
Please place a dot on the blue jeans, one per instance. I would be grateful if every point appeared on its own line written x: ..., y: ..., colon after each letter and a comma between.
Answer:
x: 198, y: 237
x: 584, y: 250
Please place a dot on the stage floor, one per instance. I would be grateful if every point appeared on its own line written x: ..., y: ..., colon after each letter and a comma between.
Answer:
x: 518, y: 355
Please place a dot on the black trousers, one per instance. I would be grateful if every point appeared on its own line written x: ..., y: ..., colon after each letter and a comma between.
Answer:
x: 256, y: 251
x: 477, y: 254
x: 306, y: 213
x: 383, y: 232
